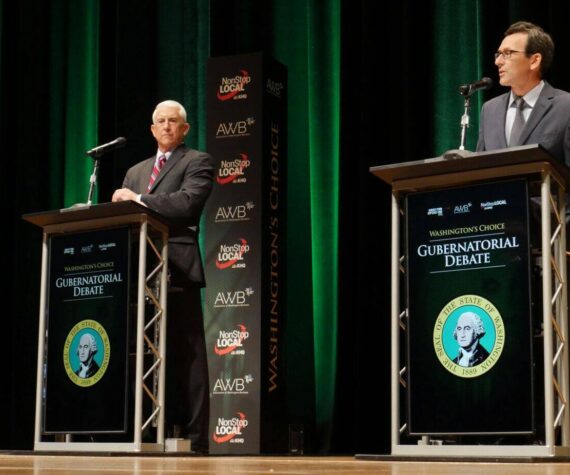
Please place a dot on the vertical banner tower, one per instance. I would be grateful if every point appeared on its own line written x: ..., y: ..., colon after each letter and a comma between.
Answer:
x: 244, y: 247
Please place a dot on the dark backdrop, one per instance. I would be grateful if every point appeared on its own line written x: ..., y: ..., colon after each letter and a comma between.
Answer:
x: 388, y: 114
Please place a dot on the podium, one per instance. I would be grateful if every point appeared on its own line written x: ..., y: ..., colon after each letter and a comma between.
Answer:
x: 89, y: 254
x: 462, y: 222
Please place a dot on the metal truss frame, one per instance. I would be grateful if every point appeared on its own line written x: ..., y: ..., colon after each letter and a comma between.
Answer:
x: 150, y: 336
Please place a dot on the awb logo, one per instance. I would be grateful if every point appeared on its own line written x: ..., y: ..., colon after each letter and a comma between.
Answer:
x: 463, y: 208
x: 232, y: 256
x: 237, y: 298
x: 230, y: 430
x: 226, y: 214
x: 234, y: 87
x: 231, y: 342
x: 232, y: 385
x: 234, y: 170
x: 240, y: 128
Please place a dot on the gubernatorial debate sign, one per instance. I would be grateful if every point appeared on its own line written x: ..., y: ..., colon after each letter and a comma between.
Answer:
x: 469, y: 338
x: 85, y: 379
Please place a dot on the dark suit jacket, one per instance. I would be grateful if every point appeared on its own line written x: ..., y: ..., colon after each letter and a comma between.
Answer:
x: 548, y: 124
x: 179, y: 193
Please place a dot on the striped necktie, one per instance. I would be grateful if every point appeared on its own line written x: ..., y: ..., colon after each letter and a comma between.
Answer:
x: 156, y: 170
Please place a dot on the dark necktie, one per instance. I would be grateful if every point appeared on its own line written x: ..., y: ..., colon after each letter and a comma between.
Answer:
x: 156, y: 170
x: 518, y: 124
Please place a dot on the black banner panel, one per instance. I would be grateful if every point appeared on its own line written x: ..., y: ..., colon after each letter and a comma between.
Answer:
x: 469, y: 333
x: 245, y: 229
x: 86, y: 341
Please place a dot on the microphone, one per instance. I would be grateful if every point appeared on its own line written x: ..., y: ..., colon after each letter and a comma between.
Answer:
x: 482, y: 84
x: 107, y: 147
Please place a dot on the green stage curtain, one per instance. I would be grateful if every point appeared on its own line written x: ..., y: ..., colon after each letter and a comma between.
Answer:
x: 457, y: 56
x: 307, y: 39
x: 74, y: 99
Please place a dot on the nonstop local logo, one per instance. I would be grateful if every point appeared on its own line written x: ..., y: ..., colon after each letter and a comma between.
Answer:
x: 275, y: 88
x: 230, y: 430
x: 238, y: 128
x: 235, y: 298
x: 86, y: 353
x: 107, y: 245
x: 232, y: 255
x: 234, y: 87
x: 232, y: 385
x: 469, y: 336
x: 233, y: 171
x: 228, y: 214
x: 231, y: 342
x: 488, y: 205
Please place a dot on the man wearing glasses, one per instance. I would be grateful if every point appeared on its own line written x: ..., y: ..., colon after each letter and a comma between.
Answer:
x: 533, y: 111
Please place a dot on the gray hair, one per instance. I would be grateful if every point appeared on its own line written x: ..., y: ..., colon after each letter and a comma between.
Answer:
x: 170, y: 103
x: 92, y: 343
x: 477, y: 324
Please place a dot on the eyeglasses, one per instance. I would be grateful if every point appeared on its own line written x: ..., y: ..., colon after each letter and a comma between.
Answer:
x: 507, y: 54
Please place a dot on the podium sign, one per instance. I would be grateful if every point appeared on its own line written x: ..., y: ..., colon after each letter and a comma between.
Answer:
x: 470, y: 333
x: 85, y: 389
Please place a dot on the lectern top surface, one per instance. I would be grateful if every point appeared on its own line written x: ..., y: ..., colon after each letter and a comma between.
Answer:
x: 524, y: 154
x: 90, y: 212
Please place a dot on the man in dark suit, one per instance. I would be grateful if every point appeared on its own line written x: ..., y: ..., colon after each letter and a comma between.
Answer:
x: 176, y: 182
x: 523, y: 58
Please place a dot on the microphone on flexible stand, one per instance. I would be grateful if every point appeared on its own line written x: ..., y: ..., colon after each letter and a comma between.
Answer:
x: 466, y: 90
x: 481, y: 85
x: 107, y: 147
x: 95, y: 154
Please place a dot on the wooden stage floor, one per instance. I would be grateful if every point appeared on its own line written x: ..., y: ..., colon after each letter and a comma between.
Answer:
x: 28, y: 464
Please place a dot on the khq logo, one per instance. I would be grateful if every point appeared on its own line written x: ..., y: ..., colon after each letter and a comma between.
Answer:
x: 234, y: 87
x: 228, y: 430
x: 488, y: 205
x: 460, y: 209
x: 87, y: 249
x: 240, y: 128
x: 237, y: 298
x: 234, y: 170
x: 274, y: 88
x: 232, y: 256
x: 231, y: 342
x: 435, y: 211
x: 232, y: 385
x: 226, y: 214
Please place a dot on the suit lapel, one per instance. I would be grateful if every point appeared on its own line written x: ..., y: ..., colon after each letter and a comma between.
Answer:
x: 542, y: 106
x: 500, y: 119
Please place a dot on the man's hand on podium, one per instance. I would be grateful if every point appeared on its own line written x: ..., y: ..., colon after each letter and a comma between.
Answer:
x: 124, y: 194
